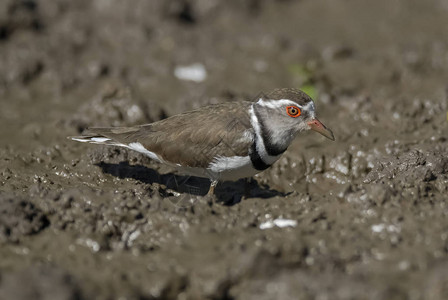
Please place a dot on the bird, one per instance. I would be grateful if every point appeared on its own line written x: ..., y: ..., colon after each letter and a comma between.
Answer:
x: 225, y: 141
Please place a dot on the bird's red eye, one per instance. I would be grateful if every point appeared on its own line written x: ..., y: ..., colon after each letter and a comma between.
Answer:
x: 293, y: 111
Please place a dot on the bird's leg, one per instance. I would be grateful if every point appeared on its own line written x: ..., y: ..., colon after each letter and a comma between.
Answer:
x: 213, y: 184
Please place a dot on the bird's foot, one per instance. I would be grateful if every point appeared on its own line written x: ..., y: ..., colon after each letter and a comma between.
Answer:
x: 210, y: 197
x: 211, y: 191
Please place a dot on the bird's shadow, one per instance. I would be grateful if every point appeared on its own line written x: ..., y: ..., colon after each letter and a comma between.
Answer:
x: 228, y: 193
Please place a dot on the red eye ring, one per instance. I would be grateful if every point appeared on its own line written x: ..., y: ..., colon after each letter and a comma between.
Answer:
x: 293, y: 111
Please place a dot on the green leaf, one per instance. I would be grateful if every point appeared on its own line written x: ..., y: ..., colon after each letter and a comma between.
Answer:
x: 310, y: 90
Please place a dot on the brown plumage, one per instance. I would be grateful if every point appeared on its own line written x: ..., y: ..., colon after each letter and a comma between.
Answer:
x: 228, y: 124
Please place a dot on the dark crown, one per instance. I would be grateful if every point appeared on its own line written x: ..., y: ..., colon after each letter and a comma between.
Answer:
x: 295, y: 95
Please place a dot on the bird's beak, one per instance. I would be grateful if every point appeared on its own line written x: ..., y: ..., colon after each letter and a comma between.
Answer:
x: 317, y: 125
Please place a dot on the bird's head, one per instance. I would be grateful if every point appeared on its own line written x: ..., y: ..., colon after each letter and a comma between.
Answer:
x: 285, y: 112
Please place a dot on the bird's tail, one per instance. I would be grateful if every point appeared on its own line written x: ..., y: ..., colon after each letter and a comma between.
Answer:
x: 101, y: 136
x: 126, y: 137
x: 94, y: 139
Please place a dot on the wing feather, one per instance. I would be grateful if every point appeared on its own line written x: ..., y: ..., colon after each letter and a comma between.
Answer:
x: 192, y: 139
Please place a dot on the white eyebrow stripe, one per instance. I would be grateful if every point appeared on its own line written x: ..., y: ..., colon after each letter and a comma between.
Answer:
x: 276, y: 103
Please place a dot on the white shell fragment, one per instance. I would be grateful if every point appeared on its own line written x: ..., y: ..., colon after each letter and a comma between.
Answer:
x: 279, y: 223
x: 195, y: 72
x: 377, y: 228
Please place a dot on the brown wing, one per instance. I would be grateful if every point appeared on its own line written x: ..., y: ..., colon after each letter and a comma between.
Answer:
x: 193, y: 138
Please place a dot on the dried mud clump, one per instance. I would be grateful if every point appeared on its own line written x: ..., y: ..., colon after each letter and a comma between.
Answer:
x: 413, y: 166
x: 19, y: 218
x: 42, y: 283
x: 413, y: 175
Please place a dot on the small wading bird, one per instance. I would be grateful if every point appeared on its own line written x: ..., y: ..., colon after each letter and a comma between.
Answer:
x: 225, y: 141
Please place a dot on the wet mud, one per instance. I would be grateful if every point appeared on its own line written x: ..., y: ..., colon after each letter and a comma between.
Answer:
x: 364, y: 217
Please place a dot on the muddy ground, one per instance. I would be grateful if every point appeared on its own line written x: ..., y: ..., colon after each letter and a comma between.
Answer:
x: 83, y: 221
